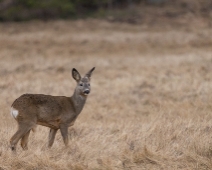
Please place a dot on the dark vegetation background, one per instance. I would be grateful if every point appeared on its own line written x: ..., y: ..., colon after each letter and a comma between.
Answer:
x: 132, y: 11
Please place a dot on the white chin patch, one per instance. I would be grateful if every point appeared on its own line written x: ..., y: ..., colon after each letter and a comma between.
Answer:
x: 14, y: 112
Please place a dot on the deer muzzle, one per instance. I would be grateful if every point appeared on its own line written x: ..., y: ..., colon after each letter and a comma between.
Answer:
x: 86, y: 92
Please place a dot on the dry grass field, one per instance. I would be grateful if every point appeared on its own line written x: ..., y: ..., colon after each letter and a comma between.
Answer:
x: 151, y: 101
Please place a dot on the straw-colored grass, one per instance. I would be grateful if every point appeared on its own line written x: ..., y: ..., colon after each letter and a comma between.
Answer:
x: 151, y: 101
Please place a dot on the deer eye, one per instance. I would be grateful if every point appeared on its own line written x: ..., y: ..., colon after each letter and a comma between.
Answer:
x: 88, y: 84
x: 81, y: 84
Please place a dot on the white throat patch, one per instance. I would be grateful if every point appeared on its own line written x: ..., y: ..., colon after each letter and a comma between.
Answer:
x: 14, y: 112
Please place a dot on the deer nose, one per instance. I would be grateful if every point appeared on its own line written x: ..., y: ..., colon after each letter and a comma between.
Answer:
x: 87, y: 91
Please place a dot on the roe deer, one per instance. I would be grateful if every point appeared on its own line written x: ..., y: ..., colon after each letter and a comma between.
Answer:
x: 55, y: 112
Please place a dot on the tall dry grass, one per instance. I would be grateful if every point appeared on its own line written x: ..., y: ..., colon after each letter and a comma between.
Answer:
x: 151, y: 100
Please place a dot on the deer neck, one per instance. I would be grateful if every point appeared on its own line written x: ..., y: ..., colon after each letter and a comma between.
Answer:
x: 78, y: 101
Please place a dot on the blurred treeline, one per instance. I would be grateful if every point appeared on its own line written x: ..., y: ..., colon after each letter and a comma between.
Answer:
x: 46, y: 9
x: 19, y: 10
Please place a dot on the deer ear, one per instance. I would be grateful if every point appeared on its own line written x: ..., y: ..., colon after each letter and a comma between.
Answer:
x: 88, y: 75
x: 76, y: 75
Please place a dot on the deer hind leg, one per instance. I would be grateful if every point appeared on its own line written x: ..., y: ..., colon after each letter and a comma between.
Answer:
x: 23, y: 129
x: 24, y: 140
x: 52, y: 134
x: 64, y: 132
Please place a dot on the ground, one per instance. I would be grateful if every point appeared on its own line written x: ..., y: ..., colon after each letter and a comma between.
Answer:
x: 151, y: 101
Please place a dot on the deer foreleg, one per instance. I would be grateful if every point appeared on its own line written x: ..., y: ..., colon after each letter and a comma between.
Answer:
x: 52, y: 134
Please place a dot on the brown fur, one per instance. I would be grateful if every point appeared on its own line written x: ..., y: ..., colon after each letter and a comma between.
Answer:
x: 55, y: 112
